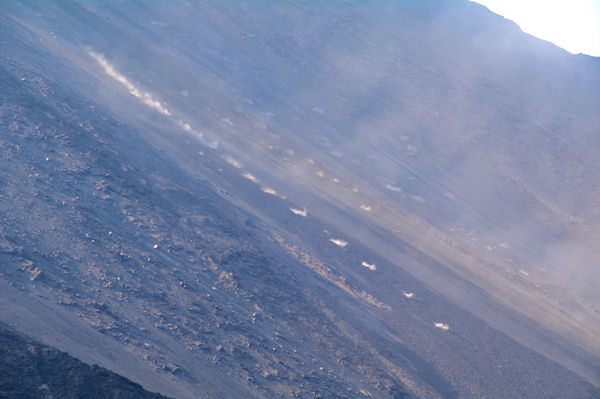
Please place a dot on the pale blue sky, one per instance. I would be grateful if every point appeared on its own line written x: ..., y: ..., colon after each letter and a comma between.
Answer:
x: 571, y: 24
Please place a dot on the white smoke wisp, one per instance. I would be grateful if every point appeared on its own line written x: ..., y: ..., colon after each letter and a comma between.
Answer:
x: 393, y: 188
x: 212, y: 144
x: 370, y: 266
x: 339, y: 242
x: 299, y: 212
x: 145, y: 97
x: 250, y: 177
x: 233, y: 162
x: 269, y: 190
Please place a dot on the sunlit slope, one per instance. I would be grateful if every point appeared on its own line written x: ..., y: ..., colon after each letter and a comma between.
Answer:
x: 447, y: 115
x: 398, y: 156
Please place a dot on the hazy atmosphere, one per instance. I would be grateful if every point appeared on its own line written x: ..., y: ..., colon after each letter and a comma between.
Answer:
x: 265, y: 199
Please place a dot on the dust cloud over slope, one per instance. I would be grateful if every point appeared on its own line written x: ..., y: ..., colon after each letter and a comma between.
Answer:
x: 455, y: 157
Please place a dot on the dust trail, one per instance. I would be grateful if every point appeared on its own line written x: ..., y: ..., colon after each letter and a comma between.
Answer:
x: 134, y: 91
x: 329, y: 274
x: 148, y: 99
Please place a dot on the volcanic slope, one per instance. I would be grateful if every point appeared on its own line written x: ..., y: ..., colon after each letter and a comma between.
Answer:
x: 279, y: 199
x: 30, y: 370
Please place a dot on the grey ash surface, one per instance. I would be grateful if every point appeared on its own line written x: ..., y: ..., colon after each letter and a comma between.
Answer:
x: 130, y: 242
